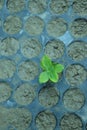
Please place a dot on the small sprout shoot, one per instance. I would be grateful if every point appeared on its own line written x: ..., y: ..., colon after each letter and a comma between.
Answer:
x: 50, y: 69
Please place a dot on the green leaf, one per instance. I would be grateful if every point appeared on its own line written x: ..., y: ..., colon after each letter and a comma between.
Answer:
x: 46, y: 63
x: 44, y: 77
x: 50, y: 70
x: 58, y: 68
x: 54, y: 77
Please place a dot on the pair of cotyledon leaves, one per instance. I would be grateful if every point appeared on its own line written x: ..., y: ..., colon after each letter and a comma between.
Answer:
x: 50, y: 70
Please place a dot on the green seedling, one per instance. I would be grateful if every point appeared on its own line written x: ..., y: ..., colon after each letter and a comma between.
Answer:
x: 51, y: 70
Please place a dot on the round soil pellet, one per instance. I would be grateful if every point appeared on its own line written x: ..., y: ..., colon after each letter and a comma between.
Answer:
x: 24, y: 94
x: 56, y: 27
x: 80, y: 7
x: 7, y: 68
x: 34, y: 25
x: 1, y: 4
x: 8, y: 46
x: 37, y: 6
x: 73, y: 99
x: 54, y: 49
x: 45, y: 120
x: 30, y: 47
x: 5, y: 91
x: 77, y: 50
x: 12, y: 25
x: 48, y: 95
x: 71, y: 122
x: 19, y: 118
x: 28, y: 70
x: 3, y: 118
x: 59, y: 6
x: 15, y: 5
x: 75, y: 74
x: 78, y: 28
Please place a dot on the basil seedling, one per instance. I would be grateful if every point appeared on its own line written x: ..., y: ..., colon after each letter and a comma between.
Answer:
x: 51, y: 70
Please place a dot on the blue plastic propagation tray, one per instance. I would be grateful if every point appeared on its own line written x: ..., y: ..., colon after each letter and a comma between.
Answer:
x: 68, y: 37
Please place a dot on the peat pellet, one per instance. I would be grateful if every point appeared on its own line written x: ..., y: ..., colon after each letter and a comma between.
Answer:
x: 3, y: 118
x: 71, y: 122
x: 45, y: 120
x: 19, y: 118
x: 12, y: 24
x: 77, y: 50
x: 56, y: 27
x: 59, y: 6
x: 15, y: 6
x: 73, y: 99
x: 34, y: 25
x: 37, y: 6
x: 5, y: 91
x: 80, y: 7
x: 9, y: 46
x: 54, y: 49
x: 30, y: 47
x: 48, y: 95
x: 24, y: 94
x: 28, y: 70
x: 75, y: 74
x: 7, y: 68
x: 78, y: 28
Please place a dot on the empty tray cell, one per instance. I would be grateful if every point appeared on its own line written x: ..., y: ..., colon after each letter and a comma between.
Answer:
x: 80, y: 7
x: 37, y: 6
x: 45, y: 120
x: 7, y: 68
x: 77, y: 50
x: 75, y: 74
x: 78, y: 28
x: 54, y: 49
x: 48, y: 95
x: 34, y: 25
x: 30, y: 47
x: 12, y: 24
x: 24, y: 94
x: 73, y: 99
x: 71, y: 122
x: 19, y: 118
x: 28, y: 70
x: 56, y: 27
x: 15, y: 6
x: 9, y: 46
x: 5, y: 91
x: 59, y: 6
